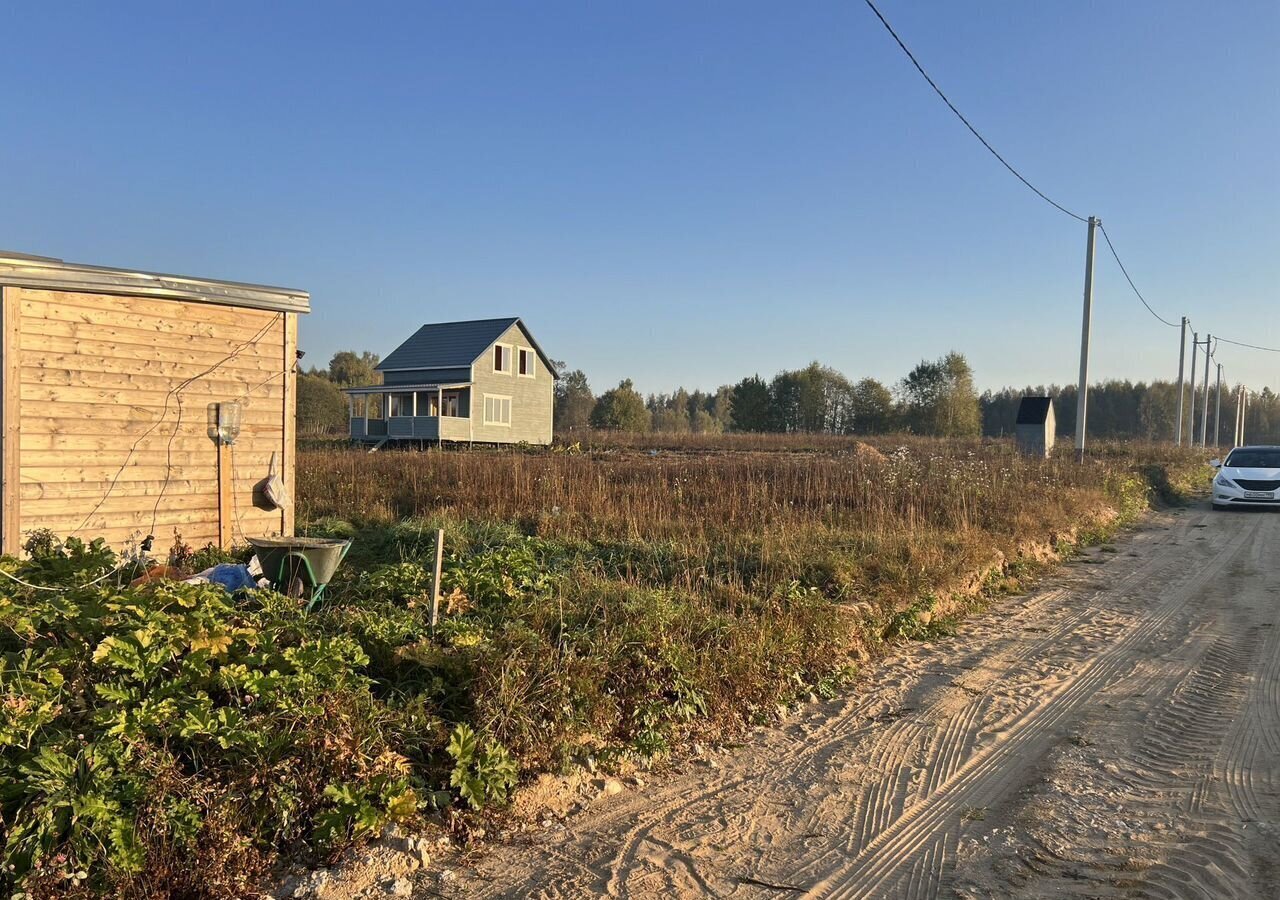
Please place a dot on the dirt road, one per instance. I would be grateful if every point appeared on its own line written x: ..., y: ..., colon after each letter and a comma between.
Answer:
x: 1116, y: 734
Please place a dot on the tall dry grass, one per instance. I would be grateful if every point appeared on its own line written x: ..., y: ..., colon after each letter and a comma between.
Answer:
x: 626, y: 591
x: 786, y: 505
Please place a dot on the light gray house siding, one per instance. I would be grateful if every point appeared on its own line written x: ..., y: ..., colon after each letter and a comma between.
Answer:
x: 532, y: 397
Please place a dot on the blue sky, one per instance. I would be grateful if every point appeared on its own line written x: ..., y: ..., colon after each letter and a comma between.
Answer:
x: 679, y: 192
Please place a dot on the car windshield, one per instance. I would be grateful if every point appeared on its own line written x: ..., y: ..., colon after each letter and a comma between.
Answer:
x: 1255, y: 459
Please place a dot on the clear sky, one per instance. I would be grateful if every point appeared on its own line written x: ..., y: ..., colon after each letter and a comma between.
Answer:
x: 680, y: 192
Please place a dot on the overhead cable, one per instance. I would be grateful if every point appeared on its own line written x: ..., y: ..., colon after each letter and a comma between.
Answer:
x: 967, y: 124
x: 1112, y: 248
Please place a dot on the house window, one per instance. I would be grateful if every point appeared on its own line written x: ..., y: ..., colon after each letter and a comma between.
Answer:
x: 451, y: 403
x: 357, y: 405
x: 526, y: 362
x: 400, y: 405
x: 502, y: 358
x: 497, y: 410
x: 427, y: 405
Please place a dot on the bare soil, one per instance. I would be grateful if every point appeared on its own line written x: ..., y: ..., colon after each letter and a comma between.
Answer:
x: 1115, y: 734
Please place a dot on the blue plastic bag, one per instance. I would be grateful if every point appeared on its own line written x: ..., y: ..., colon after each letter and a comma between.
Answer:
x: 232, y: 576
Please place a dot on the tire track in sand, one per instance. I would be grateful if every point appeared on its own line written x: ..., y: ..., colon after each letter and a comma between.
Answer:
x: 984, y: 777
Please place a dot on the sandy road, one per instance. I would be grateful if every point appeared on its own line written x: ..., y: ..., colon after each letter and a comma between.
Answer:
x: 1115, y: 734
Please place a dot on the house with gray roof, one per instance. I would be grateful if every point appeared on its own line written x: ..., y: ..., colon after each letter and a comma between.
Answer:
x: 484, y: 381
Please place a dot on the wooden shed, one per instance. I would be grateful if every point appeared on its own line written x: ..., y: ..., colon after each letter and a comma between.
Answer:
x: 108, y: 382
x: 1036, y: 427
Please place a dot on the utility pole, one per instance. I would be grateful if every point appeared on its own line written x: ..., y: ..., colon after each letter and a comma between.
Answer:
x: 1235, y: 435
x: 1204, y: 420
x: 1082, y: 395
x: 1182, y: 359
x: 1195, y: 350
x: 1244, y: 412
x: 1217, y: 411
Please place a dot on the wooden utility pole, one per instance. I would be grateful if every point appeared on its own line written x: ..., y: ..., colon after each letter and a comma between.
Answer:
x: 1082, y: 395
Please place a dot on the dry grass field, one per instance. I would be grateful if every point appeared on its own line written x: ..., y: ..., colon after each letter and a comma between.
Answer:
x: 655, y: 588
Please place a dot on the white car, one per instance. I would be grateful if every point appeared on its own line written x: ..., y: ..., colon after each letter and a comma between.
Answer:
x: 1249, y: 477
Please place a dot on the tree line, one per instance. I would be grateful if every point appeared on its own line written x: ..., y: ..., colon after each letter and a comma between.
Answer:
x: 937, y: 397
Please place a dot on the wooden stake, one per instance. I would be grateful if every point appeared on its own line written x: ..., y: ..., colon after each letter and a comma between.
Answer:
x: 435, y: 582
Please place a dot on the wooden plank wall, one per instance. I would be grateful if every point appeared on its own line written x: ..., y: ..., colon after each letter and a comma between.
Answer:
x: 101, y: 397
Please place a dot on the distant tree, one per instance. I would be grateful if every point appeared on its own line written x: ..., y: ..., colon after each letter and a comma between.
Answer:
x: 812, y: 394
x: 574, y: 401
x: 750, y: 405
x: 670, y: 413
x: 621, y: 409
x: 349, y: 369
x: 720, y: 406
x: 704, y: 422
x: 321, y: 406
x: 940, y: 398
x: 1157, y: 410
x: 962, y: 416
x: 785, y: 392
x: 670, y: 420
x: 872, y: 407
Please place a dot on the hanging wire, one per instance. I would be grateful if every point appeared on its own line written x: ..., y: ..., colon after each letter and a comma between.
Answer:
x: 164, y: 412
x: 967, y: 124
x: 1138, y: 293
x: 177, y: 394
x: 1249, y: 346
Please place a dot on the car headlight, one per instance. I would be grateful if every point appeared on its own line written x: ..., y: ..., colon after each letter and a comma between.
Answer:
x: 1222, y: 481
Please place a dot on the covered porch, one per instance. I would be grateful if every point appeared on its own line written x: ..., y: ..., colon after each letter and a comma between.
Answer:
x: 428, y: 412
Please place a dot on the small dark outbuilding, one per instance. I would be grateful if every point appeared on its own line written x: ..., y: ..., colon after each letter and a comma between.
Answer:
x: 1036, y: 426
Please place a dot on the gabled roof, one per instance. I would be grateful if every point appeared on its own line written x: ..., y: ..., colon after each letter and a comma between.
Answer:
x: 448, y: 345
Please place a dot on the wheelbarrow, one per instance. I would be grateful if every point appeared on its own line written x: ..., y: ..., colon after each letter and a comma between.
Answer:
x: 300, y: 567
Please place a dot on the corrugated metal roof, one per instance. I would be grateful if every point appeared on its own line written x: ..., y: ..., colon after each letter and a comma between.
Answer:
x: 48, y: 273
x: 448, y: 345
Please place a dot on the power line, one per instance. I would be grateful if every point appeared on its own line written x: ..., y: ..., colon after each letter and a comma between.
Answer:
x: 1041, y: 194
x: 1112, y: 248
x: 967, y: 124
x: 1249, y: 346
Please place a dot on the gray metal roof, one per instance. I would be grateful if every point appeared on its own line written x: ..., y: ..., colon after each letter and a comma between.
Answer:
x: 449, y: 345
x: 1034, y: 410
x: 48, y: 273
